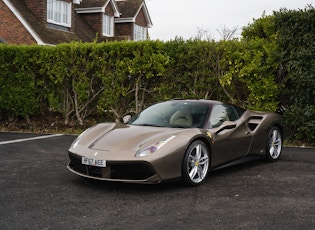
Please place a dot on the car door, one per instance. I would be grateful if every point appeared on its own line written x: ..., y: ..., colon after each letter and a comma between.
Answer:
x: 231, y: 137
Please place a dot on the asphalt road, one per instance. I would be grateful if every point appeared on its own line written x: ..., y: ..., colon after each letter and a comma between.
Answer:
x: 37, y: 192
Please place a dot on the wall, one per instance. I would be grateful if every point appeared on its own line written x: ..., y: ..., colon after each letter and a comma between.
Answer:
x: 11, y: 29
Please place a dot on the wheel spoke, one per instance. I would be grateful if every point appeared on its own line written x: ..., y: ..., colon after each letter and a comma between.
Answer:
x: 193, y: 172
x: 191, y: 160
x: 277, y: 142
x: 204, y: 160
x: 198, y: 152
x: 272, y: 150
x: 200, y: 172
x: 274, y: 135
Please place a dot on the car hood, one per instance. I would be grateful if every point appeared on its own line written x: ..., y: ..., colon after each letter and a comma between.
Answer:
x: 127, y: 137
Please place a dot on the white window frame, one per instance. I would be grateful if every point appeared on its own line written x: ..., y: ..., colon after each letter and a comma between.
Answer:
x: 59, y: 12
x: 108, y: 25
x: 139, y: 33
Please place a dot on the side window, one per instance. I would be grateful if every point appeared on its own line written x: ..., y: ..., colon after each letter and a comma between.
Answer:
x: 232, y: 113
x: 221, y: 113
x: 218, y: 116
x: 240, y: 111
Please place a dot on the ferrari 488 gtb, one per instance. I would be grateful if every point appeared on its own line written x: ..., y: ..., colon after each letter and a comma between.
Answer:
x: 177, y: 139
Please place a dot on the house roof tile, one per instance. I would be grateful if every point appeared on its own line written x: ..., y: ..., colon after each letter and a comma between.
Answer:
x: 129, y: 8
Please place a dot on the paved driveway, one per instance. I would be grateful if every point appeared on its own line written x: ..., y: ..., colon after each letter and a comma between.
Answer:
x: 37, y: 192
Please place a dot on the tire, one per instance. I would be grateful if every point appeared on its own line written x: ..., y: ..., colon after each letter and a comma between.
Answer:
x: 274, y: 144
x: 195, y: 164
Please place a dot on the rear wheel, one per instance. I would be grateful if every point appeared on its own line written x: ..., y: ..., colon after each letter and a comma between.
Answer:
x: 195, y: 165
x: 274, y: 144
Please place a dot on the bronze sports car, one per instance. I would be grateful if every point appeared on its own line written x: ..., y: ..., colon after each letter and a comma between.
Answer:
x: 175, y: 139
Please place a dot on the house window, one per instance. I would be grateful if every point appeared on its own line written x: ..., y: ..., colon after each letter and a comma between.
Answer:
x: 108, y: 25
x: 59, y: 12
x: 140, y: 33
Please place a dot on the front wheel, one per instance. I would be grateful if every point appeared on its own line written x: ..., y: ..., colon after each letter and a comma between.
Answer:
x: 274, y: 144
x: 195, y: 165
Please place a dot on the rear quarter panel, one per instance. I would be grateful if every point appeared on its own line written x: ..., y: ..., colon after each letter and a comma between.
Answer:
x: 260, y: 124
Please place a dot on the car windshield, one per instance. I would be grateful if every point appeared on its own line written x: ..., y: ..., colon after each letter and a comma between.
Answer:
x: 176, y: 114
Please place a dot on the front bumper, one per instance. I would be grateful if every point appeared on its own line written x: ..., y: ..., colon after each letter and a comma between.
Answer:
x: 130, y: 172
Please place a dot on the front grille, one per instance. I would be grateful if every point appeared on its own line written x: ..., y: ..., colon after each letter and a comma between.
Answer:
x: 131, y: 171
x: 113, y: 170
x: 75, y: 163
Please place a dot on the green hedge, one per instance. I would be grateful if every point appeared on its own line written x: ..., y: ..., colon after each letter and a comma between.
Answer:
x: 76, y: 79
x: 296, y: 43
x: 269, y: 68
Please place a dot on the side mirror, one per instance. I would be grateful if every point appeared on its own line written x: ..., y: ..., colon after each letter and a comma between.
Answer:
x: 126, y: 118
x: 225, y: 126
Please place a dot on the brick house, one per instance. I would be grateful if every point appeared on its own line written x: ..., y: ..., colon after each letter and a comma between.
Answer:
x: 49, y: 22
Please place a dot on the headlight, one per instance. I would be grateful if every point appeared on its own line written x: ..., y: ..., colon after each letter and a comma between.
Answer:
x: 77, y: 140
x: 75, y: 143
x: 153, y: 148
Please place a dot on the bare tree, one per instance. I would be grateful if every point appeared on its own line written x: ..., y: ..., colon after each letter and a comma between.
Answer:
x: 203, y: 35
x: 227, y: 33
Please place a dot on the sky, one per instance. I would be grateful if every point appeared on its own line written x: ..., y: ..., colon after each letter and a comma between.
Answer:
x: 184, y: 18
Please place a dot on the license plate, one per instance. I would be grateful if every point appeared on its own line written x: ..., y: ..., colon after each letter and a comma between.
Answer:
x: 93, y: 162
